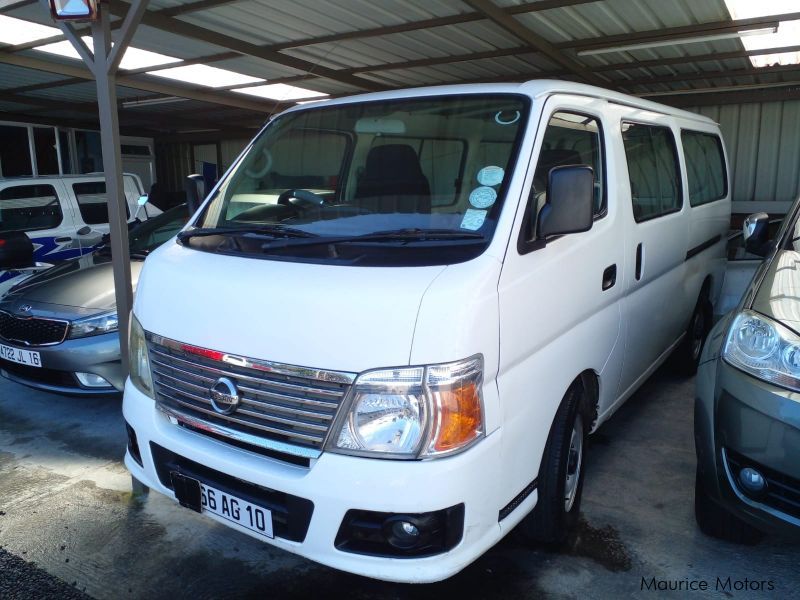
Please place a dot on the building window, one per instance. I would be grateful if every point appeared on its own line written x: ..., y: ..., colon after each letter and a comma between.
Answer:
x: 15, y: 152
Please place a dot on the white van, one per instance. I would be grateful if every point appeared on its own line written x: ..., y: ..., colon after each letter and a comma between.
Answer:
x: 64, y: 215
x: 384, y: 337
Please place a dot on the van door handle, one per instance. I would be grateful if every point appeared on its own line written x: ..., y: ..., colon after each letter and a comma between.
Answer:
x: 63, y: 240
x: 609, y: 277
x: 638, y: 262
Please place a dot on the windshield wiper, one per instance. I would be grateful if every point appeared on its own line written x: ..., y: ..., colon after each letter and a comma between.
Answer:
x: 271, y: 230
x: 389, y: 235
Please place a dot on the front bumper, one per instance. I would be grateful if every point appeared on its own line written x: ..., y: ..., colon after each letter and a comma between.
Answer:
x: 98, y: 354
x: 743, y: 421
x: 336, y: 483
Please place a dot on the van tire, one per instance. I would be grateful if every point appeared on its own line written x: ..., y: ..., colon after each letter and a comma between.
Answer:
x: 715, y: 521
x: 556, y: 513
x: 687, y: 356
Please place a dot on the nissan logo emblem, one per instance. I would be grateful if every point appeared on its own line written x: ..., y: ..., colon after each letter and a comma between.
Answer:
x: 224, y: 396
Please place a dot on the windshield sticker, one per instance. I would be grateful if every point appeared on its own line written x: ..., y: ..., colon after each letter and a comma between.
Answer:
x: 473, y: 219
x: 482, y: 197
x: 507, y: 117
x: 491, y: 176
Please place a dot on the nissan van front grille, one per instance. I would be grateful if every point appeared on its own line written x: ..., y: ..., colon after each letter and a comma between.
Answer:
x: 258, y: 404
x: 32, y: 331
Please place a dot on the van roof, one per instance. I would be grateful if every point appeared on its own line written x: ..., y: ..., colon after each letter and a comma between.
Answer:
x: 535, y: 88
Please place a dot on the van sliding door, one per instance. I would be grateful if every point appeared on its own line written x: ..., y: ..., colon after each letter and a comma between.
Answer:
x: 655, y: 245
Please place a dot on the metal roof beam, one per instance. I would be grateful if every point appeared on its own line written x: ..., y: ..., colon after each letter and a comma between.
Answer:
x: 670, y: 34
x: 182, y: 28
x: 684, y: 77
x: 682, y: 60
x: 517, y: 29
x: 467, y: 17
x: 185, y: 9
x: 138, y: 83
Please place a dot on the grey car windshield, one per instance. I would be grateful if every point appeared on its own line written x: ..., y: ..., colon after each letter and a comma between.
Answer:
x: 385, y: 176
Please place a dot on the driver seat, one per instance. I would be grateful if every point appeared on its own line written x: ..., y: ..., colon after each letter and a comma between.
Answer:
x: 393, y: 181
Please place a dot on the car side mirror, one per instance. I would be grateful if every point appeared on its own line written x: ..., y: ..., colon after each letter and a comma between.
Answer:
x: 195, y: 188
x: 570, y: 202
x: 755, y: 232
x: 85, y: 230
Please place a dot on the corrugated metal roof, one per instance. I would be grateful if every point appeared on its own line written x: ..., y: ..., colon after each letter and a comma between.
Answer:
x: 383, y: 59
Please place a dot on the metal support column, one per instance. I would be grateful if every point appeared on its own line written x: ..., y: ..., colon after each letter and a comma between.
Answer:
x: 103, y: 62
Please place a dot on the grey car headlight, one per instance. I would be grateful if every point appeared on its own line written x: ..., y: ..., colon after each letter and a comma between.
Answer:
x: 104, y: 323
x: 764, y: 348
x: 139, y: 359
x: 413, y: 412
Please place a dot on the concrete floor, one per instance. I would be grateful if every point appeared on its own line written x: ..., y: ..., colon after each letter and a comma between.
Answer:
x: 65, y: 504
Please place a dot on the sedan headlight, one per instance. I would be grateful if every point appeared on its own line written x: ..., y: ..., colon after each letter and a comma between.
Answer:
x: 140, y: 359
x: 105, y: 323
x: 764, y: 348
x: 413, y: 412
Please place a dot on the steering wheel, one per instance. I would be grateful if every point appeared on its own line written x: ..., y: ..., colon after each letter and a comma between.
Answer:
x: 303, y: 198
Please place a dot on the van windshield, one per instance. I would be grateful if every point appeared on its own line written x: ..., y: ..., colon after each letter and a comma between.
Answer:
x: 413, y: 181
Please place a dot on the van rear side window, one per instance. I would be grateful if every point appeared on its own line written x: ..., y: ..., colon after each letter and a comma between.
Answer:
x: 29, y: 207
x: 653, y: 170
x: 92, y: 202
x: 705, y: 167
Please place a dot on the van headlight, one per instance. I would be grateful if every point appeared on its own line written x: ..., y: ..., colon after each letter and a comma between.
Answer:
x: 413, y: 412
x: 105, y: 323
x: 140, y: 359
x: 764, y: 348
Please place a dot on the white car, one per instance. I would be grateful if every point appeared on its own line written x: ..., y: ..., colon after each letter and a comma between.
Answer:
x: 384, y: 337
x: 64, y: 215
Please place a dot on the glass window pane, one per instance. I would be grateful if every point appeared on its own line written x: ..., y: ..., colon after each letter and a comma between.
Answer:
x: 570, y: 139
x: 705, y: 167
x: 66, y: 151
x: 90, y: 153
x: 44, y: 139
x: 653, y: 170
x: 92, y: 201
x: 29, y: 207
x: 15, y: 152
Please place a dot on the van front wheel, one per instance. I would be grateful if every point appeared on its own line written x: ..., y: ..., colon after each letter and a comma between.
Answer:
x: 687, y: 356
x: 561, y: 475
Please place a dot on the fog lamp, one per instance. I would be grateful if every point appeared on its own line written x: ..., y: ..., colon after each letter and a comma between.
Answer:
x: 92, y: 381
x: 752, y: 481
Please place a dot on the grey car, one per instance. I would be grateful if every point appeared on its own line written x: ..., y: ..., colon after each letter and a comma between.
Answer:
x: 747, y: 409
x: 58, y: 329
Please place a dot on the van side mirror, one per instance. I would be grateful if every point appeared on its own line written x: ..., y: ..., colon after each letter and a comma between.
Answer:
x: 755, y: 232
x: 570, y: 202
x: 195, y: 188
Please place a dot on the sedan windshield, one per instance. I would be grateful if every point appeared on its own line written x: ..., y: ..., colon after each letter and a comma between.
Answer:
x: 370, y: 182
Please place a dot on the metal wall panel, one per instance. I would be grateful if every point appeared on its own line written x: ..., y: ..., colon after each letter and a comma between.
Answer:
x: 763, y: 143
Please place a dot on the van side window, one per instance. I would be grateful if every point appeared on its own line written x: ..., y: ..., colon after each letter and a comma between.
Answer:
x: 29, y: 207
x: 653, y: 170
x: 570, y: 139
x: 91, y: 197
x: 705, y: 167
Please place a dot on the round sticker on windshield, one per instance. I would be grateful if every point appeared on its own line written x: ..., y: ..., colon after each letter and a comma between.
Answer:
x: 491, y: 176
x: 482, y: 197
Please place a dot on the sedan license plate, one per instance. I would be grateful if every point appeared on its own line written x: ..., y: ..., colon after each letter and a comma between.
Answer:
x: 235, y: 510
x: 23, y: 357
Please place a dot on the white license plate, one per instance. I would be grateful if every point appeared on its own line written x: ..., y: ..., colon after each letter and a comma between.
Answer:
x: 235, y: 510
x: 22, y: 357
